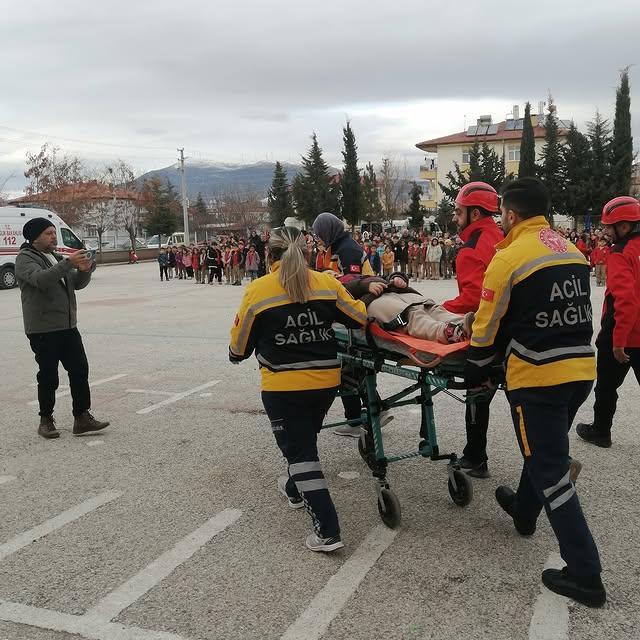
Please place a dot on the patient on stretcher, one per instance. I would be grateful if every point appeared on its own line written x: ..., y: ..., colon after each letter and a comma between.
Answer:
x: 397, y: 307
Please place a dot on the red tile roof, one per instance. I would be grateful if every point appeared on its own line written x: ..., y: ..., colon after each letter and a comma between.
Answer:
x: 80, y: 191
x: 462, y: 137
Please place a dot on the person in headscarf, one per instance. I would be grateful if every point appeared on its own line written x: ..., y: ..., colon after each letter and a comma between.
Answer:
x: 344, y: 255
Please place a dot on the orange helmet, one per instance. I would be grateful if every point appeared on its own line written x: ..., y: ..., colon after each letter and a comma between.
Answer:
x: 478, y: 194
x: 621, y: 209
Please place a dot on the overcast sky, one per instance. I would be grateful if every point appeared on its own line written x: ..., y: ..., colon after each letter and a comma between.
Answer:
x: 249, y: 80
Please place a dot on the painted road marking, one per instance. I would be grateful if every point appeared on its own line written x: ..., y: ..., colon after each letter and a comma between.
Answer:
x: 95, y: 383
x: 550, y: 620
x: 5, y: 479
x: 177, y: 396
x: 206, y: 395
x: 328, y: 603
x: 24, y: 539
x: 134, y: 588
x: 78, y: 625
x: 150, y: 392
x: 95, y: 443
x: 348, y: 475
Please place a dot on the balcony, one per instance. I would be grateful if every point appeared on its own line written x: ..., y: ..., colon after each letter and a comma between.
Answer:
x: 428, y: 171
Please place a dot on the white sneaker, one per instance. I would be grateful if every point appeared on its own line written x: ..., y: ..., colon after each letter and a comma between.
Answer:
x: 350, y: 431
x: 316, y: 543
x: 293, y: 504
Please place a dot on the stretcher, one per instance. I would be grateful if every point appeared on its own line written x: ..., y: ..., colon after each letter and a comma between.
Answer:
x: 431, y: 368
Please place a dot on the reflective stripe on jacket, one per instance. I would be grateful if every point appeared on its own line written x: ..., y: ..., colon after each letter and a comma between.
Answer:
x: 294, y: 343
x: 535, y: 310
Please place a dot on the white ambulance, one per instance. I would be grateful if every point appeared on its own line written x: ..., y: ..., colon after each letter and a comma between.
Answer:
x: 12, y: 219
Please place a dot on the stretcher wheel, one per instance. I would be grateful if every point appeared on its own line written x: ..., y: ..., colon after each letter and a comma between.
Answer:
x: 390, y: 514
x: 463, y: 495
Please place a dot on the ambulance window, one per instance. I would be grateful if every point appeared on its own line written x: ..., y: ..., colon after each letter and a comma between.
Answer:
x: 70, y: 240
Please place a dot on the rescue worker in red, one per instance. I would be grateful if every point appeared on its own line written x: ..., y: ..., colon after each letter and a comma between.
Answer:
x: 619, y: 339
x: 475, y: 206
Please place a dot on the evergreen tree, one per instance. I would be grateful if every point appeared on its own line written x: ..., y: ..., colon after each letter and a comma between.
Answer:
x: 485, y: 165
x: 550, y: 169
x: 444, y: 216
x: 350, y: 181
x: 161, y: 205
x: 371, y: 205
x: 314, y: 190
x: 415, y: 210
x: 622, y: 143
x: 279, y: 198
x: 527, y: 165
x: 576, y: 156
x: 599, y: 134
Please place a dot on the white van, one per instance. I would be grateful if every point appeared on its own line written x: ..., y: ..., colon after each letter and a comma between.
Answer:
x: 155, y: 242
x: 12, y: 219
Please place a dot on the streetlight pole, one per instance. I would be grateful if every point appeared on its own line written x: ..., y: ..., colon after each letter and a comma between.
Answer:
x: 185, y: 214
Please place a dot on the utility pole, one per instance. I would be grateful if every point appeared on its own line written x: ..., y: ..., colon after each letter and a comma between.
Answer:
x: 185, y: 214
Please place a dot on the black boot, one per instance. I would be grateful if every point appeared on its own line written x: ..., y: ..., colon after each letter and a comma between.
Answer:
x: 474, y: 469
x: 592, y: 434
x: 86, y: 423
x: 587, y: 591
x: 47, y: 428
x: 506, y: 497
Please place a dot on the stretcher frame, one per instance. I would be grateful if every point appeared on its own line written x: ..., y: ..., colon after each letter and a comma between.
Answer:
x: 362, y: 361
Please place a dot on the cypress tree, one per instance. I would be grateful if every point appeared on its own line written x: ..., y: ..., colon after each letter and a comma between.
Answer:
x: 622, y: 143
x: 371, y: 205
x: 314, y: 190
x: 279, y: 198
x: 550, y: 171
x: 350, y: 183
x: 527, y: 165
x: 415, y: 210
x: 599, y: 134
x: 576, y: 155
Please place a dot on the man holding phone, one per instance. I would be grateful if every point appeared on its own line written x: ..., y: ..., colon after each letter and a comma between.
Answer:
x: 48, y: 282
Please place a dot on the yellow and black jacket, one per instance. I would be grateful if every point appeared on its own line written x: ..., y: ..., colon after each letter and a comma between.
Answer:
x: 294, y: 343
x: 535, y: 311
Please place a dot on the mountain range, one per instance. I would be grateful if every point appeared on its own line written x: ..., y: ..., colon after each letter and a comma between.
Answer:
x: 214, y: 179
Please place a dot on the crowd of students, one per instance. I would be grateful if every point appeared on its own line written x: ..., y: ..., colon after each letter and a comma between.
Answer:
x: 421, y: 255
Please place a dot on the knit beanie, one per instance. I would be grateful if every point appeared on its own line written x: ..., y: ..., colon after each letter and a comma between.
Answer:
x: 35, y: 227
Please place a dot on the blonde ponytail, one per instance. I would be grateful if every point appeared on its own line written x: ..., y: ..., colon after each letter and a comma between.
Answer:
x: 287, y: 245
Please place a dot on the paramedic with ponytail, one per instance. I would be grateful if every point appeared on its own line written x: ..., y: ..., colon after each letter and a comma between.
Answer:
x: 286, y: 318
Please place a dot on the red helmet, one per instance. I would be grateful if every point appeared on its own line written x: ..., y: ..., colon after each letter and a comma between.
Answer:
x: 478, y: 194
x: 621, y: 209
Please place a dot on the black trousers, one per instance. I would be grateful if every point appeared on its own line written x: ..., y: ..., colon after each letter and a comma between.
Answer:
x: 611, y: 375
x: 61, y: 347
x: 296, y: 419
x: 477, y: 425
x: 542, y: 417
x: 215, y: 272
x: 164, y: 271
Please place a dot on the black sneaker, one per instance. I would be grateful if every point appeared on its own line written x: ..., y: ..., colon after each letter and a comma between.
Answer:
x: 86, y: 423
x: 591, y: 434
x: 587, y: 591
x: 474, y: 469
x: 47, y: 428
x: 505, y: 497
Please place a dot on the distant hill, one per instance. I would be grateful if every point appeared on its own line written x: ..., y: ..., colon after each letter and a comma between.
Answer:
x: 213, y: 179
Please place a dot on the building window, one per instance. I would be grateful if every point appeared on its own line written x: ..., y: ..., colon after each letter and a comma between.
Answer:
x: 513, y: 153
x: 465, y: 156
x: 90, y: 231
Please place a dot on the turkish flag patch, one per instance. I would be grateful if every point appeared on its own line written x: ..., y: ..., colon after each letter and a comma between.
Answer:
x: 487, y: 294
x: 237, y: 320
x: 355, y: 268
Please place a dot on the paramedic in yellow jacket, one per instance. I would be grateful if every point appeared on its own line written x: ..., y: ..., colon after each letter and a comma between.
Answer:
x: 535, y: 314
x: 286, y: 318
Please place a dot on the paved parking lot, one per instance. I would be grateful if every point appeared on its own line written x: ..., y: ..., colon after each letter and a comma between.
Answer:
x: 168, y: 524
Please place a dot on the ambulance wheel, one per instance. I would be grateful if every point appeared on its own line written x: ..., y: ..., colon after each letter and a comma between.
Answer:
x: 7, y: 278
x: 463, y: 495
x: 390, y: 513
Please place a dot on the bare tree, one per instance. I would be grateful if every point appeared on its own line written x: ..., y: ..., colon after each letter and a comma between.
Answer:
x: 241, y: 209
x: 127, y: 203
x: 3, y: 184
x: 392, y: 184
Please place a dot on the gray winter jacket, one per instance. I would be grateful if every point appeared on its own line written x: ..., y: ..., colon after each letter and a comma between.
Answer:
x: 48, y: 292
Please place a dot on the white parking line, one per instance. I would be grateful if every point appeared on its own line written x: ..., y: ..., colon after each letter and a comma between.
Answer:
x: 93, y: 383
x: 328, y: 603
x: 151, y: 392
x: 5, y: 479
x: 177, y: 396
x: 550, y: 620
x: 124, y: 596
x: 78, y: 625
x: 95, y: 443
x: 24, y: 539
